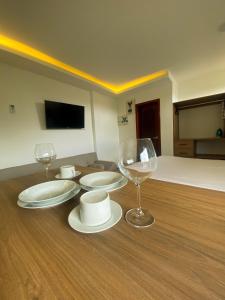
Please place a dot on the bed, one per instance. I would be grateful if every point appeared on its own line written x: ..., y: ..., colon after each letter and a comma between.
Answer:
x: 203, y: 173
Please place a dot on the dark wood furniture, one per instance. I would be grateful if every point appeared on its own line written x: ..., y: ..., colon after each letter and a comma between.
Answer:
x: 184, y: 148
x: 187, y: 147
x: 182, y: 256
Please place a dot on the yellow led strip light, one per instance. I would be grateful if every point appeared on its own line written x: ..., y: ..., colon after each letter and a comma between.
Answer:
x: 139, y: 81
x: 29, y: 52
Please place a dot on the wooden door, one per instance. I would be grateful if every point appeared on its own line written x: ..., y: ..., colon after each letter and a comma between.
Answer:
x: 148, y: 122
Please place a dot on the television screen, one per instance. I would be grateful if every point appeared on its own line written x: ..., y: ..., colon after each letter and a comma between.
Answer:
x: 63, y: 116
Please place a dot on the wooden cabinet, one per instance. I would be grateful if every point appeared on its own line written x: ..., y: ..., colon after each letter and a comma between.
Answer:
x: 196, y: 122
x: 184, y: 148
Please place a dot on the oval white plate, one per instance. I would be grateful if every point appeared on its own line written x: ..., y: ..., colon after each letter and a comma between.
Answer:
x: 75, y: 223
x: 51, y: 203
x: 101, y: 179
x: 51, y: 190
x: 107, y: 188
x: 58, y: 176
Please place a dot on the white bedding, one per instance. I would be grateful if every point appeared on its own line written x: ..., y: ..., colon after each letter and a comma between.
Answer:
x: 205, y: 173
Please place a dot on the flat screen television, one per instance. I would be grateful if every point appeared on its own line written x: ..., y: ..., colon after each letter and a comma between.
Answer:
x: 60, y: 115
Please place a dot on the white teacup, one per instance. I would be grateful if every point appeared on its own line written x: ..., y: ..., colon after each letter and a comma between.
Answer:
x: 95, y: 208
x: 67, y: 171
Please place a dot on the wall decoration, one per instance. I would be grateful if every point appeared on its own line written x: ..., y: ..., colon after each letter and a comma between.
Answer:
x: 130, y: 106
x: 219, y: 132
x: 123, y: 120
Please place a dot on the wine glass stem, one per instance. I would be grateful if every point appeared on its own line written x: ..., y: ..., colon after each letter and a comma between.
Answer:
x: 139, y: 209
x: 46, y: 171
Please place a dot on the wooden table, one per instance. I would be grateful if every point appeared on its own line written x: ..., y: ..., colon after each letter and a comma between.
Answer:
x: 182, y: 256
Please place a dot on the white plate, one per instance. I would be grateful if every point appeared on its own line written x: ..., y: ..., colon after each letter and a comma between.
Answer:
x: 110, y: 188
x: 51, y: 190
x: 101, y: 179
x: 53, y: 200
x: 51, y: 204
x: 75, y: 223
x: 58, y: 176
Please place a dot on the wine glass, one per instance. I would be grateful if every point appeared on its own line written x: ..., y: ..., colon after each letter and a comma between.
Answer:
x: 137, y: 161
x: 45, y: 154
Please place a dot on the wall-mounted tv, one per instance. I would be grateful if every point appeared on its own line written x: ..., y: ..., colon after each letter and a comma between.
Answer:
x: 60, y: 115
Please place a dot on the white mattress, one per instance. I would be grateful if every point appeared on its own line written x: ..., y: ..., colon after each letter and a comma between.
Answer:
x: 204, y: 173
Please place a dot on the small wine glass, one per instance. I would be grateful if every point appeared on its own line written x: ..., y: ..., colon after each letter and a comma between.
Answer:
x: 137, y: 161
x: 45, y: 154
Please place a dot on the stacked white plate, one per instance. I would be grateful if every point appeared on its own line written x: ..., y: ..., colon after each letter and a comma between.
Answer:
x: 108, y: 181
x: 48, y: 194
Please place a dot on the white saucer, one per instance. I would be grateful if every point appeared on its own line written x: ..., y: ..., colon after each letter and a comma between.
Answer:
x: 120, y: 184
x: 58, y: 176
x: 75, y: 223
x: 31, y: 205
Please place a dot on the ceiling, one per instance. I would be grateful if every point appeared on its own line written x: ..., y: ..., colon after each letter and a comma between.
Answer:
x: 118, y: 41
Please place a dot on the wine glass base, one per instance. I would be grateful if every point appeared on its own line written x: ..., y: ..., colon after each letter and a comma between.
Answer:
x: 135, y: 219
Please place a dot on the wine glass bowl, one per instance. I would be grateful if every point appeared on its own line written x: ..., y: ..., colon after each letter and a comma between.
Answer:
x: 45, y: 154
x: 137, y: 161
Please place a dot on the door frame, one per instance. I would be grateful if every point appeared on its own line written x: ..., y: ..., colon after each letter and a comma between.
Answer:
x: 158, y: 118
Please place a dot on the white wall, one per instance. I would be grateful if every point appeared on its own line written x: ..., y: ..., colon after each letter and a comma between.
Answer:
x: 19, y: 132
x: 200, y: 85
x: 161, y: 89
x: 105, y: 126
